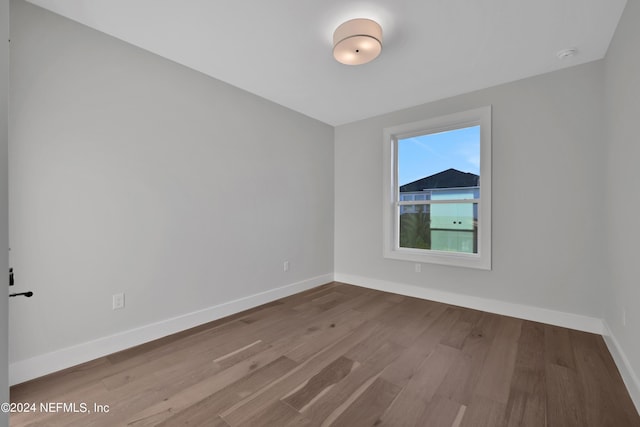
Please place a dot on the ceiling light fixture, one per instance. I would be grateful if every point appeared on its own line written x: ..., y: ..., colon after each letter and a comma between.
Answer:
x: 357, y: 41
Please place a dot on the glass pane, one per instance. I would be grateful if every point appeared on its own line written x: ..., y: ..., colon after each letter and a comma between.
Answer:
x: 450, y: 227
x: 445, y: 165
x: 415, y: 231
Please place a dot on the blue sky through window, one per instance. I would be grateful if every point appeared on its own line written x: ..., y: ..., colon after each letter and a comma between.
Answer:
x: 426, y: 155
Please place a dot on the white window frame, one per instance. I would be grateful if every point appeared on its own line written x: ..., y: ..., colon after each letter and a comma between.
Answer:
x: 391, y: 205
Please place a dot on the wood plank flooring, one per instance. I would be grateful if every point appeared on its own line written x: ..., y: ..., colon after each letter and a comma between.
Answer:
x: 340, y: 355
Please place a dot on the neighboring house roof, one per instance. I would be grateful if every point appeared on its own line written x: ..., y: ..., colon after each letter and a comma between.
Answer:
x: 450, y: 178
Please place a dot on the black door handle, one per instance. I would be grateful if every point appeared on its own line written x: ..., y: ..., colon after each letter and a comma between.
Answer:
x: 26, y: 294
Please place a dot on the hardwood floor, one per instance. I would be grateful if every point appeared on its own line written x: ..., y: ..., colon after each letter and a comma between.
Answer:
x: 341, y: 355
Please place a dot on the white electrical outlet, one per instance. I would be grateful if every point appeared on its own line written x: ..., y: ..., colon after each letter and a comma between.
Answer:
x: 118, y: 301
x: 418, y: 267
x: 285, y: 266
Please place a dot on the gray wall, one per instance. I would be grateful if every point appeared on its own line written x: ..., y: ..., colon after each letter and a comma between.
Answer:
x: 4, y: 240
x: 133, y: 174
x: 547, y: 168
x: 622, y: 199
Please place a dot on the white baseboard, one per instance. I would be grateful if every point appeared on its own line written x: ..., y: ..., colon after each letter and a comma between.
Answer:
x: 25, y: 370
x: 624, y: 366
x: 527, y: 312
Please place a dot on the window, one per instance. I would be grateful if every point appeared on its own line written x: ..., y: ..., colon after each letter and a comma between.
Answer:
x: 437, y: 192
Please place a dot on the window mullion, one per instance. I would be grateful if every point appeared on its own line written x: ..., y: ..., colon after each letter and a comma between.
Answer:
x: 435, y: 202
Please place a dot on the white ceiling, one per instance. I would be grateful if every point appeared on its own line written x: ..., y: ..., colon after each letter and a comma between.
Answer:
x: 281, y: 49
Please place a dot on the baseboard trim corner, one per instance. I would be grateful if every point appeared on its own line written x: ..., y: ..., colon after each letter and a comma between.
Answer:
x: 627, y: 372
x: 521, y: 311
x: 37, y: 366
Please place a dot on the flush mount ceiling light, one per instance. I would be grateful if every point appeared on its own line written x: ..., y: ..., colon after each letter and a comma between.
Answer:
x: 357, y: 41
